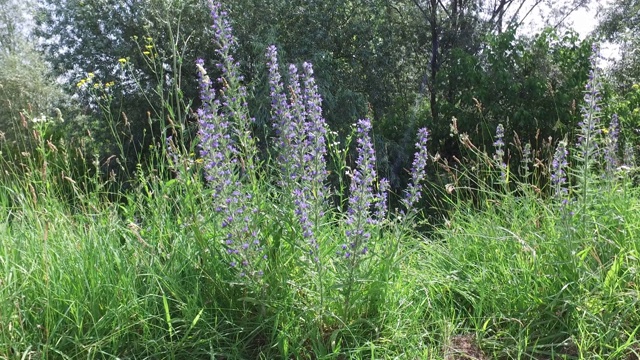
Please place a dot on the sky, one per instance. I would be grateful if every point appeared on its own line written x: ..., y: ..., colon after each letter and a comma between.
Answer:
x: 583, y: 21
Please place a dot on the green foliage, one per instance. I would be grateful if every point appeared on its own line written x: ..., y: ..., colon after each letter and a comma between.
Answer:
x: 513, y: 273
x: 626, y: 104
x: 529, y: 85
x: 620, y: 25
x: 14, y: 24
x: 363, y: 53
x: 532, y: 282
x: 27, y: 87
x: 372, y: 58
x: 145, y: 49
x: 29, y: 94
x: 619, y: 16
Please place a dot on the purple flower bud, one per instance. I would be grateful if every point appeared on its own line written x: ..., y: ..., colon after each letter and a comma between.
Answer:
x: 418, y: 171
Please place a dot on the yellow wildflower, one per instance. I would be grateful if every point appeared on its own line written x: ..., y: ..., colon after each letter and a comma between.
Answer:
x: 122, y: 61
x: 109, y: 84
x: 149, y: 47
x: 146, y: 53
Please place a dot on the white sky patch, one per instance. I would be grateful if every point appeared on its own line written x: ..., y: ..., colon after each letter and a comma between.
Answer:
x: 583, y: 21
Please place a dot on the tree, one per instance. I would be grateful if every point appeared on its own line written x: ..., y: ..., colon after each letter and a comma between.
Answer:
x: 619, y: 17
x: 620, y: 24
x: 145, y: 49
x: 26, y: 84
x: 364, y: 53
x: 380, y: 58
x: 461, y: 25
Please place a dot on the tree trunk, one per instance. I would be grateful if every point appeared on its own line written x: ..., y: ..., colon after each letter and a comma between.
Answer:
x: 434, y: 60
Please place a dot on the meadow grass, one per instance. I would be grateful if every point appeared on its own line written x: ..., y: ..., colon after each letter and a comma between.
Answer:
x: 241, y: 256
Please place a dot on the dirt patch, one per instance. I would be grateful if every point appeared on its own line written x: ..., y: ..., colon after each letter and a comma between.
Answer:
x: 463, y: 347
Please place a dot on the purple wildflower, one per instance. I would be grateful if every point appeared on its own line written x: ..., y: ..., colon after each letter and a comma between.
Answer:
x: 299, y: 124
x: 498, y: 144
x: 418, y: 171
x: 559, y: 166
x: 291, y: 129
x: 315, y: 141
x: 499, y: 153
x: 301, y: 131
x: 216, y: 146
x: 361, y: 196
x: 278, y: 98
x: 226, y: 146
x: 232, y: 93
x: 589, y: 130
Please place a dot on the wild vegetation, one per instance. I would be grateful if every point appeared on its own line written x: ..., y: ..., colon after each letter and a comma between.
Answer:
x: 205, y: 195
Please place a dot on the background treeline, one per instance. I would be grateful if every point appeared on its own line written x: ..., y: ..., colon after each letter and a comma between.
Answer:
x: 122, y: 72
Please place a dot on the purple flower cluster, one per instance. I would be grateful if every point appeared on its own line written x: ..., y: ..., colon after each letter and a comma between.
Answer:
x: 233, y: 93
x: 223, y: 133
x: 279, y: 104
x: 362, y: 197
x: 559, y: 167
x: 418, y: 171
x: 216, y: 145
x: 316, y: 133
x: 301, y: 130
x: 589, y: 126
x: 242, y: 239
x: 498, y: 156
x: 288, y: 119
